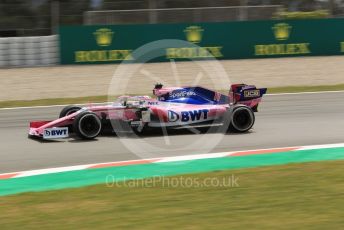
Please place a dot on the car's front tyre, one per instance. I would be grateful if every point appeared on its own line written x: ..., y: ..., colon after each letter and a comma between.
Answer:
x: 87, y: 125
x: 69, y: 110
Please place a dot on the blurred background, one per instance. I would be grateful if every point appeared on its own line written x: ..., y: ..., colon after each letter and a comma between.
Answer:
x: 42, y: 17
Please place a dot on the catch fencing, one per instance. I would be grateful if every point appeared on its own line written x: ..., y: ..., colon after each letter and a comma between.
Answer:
x: 29, y: 51
x: 180, y: 15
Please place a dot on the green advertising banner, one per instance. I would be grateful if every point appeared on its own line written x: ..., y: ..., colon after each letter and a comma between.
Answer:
x: 226, y: 40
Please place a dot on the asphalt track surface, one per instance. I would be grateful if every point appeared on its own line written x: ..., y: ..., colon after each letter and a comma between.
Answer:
x: 283, y: 120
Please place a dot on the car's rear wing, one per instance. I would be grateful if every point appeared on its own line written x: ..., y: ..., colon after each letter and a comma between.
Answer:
x: 249, y: 95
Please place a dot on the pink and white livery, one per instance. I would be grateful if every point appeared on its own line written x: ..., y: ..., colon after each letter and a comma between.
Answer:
x: 173, y: 107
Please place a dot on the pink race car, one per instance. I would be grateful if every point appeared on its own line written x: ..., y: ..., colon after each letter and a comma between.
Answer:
x: 173, y: 107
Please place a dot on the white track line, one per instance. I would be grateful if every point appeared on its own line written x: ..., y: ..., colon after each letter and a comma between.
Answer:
x: 161, y: 160
x: 52, y: 170
x: 193, y: 157
x: 52, y: 106
x: 327, y: 146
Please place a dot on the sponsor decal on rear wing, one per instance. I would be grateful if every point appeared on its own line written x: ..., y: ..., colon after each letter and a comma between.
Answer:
x: 252, y: 93
x: 248, y: 94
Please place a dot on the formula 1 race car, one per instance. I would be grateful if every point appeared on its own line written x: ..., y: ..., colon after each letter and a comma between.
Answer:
x: 173, y: 107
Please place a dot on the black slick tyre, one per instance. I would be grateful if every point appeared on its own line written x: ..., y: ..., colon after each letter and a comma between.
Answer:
x: 242, y: 119
x: 69, y: 110
x: 87, y: 125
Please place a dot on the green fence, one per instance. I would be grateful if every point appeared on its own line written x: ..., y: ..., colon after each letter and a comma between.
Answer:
x: 227, y: 40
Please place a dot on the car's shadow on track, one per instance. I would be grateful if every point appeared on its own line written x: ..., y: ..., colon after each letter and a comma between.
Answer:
x: 72, y: 139
x: 77, y: 140
x: 172, y: 132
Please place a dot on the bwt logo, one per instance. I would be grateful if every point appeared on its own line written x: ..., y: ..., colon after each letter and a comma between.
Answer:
x: 172, y: 116
x: 58, y: 132
x: 194, y: 115
x: 185, y: 116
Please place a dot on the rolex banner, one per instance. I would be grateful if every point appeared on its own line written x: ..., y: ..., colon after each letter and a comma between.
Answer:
x: 226, y: 40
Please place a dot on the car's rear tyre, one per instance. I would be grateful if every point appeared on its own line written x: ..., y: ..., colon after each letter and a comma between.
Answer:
x: 69, y: 110
x: 87, y: 125
x: 242, y: 119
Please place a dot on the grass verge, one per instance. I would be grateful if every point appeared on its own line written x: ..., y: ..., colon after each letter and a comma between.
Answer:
x: 295, y: 196
x: 95, y: 99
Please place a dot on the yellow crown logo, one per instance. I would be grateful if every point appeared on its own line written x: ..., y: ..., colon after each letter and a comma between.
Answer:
x: 104, y: 36
x: 282, y: 31
x: 194, y: 34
